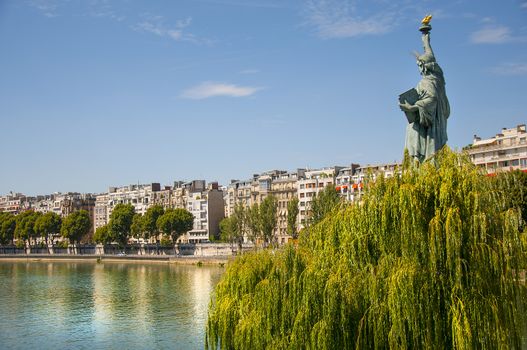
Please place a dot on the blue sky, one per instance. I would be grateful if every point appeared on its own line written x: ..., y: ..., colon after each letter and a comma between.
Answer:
x: 104, y: 93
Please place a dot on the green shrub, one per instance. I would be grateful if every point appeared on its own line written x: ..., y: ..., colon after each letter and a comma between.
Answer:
x: 166, y: 242
x: 62, y: 244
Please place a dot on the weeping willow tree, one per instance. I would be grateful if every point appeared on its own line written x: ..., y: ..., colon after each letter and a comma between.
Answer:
x: 431, y: 259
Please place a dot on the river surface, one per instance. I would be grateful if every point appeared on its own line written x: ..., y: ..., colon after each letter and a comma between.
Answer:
x: 85, y: 305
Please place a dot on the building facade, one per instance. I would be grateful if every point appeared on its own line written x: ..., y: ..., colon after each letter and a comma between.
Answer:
x: 505, y: 151
x: 308, y: 187
x: 204, y: 202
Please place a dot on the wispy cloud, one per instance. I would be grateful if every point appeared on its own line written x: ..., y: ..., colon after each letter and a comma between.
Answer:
x: 510, y: 68
x: 214, y: 89
x: 345, y: 19
x: 523, y: 5
x: 47, y: 7
x: 103, y: 9
x: 492, y: 35
x: 156, y: 25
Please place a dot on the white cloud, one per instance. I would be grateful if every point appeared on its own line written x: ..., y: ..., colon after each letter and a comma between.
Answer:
x: 492, y: 35
x: 524, y: 5
x: 178, y: 32
x: 343, y: 19
x: 510, y: 68
x: 213, y: 89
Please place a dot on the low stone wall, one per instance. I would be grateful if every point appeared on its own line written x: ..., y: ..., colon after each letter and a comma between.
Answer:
x: 200, y: 250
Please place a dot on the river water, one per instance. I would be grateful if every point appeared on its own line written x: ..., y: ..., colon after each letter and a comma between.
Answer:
x: 84, y: 305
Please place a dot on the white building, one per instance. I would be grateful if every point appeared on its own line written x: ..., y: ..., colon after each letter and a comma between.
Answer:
x: 139, y: 196
x: 314, y: 182
x: 206, y: 205
x: 504, y: 152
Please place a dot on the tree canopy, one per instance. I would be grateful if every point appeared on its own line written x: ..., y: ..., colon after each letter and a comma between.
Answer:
x: 268, y: 219
x: 292, y: 216
x: 430, y: 259
x: 25, y: 225
x: 150, y: 220
x: 137, y: 227
x: 323, y: 204
x: 120, y: 224
x: 102, y: 235
x: 47, y: 224
x: 7, y: 227
x: 175, y: 222
x: 76, y: 225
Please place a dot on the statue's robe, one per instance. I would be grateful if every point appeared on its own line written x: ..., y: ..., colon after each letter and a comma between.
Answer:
x: 427, y: 135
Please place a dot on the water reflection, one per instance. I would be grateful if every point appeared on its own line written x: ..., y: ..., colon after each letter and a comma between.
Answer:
x: 99, y: 306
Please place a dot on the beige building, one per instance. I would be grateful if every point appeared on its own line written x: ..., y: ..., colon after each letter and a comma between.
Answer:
x: 280, y: 183
x: 504, y: 152
x: 284, y: 188
x: 238, y: 192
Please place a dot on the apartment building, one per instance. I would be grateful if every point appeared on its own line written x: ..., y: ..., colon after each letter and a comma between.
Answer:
x: 238, y: 192
x: 14, y: 203
x: 505, y: 151
x: 206, y: 204
x: 345, y: 184
x: 284, y: 188
x: 308, y: 187
x: 140, y: 196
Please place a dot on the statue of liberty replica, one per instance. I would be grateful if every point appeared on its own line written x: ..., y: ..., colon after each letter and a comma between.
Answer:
x: 426, y: 107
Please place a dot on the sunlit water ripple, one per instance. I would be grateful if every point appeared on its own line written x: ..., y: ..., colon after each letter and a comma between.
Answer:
x: 65, y: 305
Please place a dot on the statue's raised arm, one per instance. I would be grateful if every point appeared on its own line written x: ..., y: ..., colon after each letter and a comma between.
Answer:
x: 426, y: 45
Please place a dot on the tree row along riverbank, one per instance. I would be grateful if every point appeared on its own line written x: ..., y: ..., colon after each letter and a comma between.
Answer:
x: 186, y: 260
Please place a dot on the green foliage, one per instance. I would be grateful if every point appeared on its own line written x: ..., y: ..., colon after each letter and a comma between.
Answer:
x: 7, y: 227
x: 515, y: 183
x: 268, y: 219
x: 120, y: 224
x: 175, y: 222
x: 292, y: 217
x: 25, y: 225
x: 137, y: 227
x: 323, y: 204
x: 166, y: 242
x: 227, y: 229
x: 102, y: 235
x: 62, y: 245
x: 150, y: 220
x: 252, y: 222
x: 430, y: 259
x: 76, y: 225
x: 47, y: 224
x: 233, y: 228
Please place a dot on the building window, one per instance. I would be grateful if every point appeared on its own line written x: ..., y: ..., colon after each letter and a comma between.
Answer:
x: 523, y: 162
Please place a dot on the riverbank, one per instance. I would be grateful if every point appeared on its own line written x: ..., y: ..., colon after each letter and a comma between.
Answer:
x: 136, y: 259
